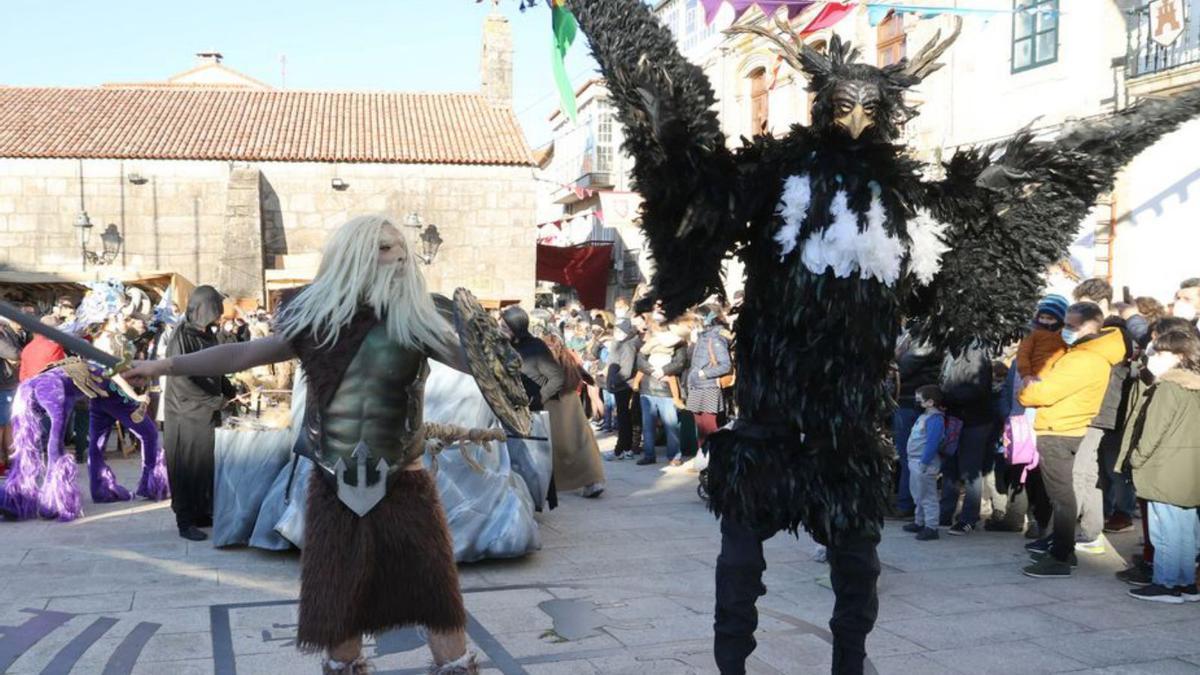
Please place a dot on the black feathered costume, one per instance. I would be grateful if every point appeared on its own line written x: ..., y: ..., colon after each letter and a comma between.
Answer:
x: 841, y: 237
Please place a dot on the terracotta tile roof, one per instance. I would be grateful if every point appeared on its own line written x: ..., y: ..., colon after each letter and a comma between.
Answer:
x: 246, y: 125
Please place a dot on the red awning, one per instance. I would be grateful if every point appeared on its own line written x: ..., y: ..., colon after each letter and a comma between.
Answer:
x: 584, y: 268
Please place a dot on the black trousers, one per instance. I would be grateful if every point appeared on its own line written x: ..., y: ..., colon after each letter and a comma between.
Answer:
x: 854, y: 569
x: 1028, y: 498
x: 189, y: 444
x: 624, y: 421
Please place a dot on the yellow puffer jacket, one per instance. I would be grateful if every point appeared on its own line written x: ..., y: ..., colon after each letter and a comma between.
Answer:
x: 1069, y: 396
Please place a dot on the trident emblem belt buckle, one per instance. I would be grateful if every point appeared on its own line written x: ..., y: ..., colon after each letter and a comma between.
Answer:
x: 362, y: 496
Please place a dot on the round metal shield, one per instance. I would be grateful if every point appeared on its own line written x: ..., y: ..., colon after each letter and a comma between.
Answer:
x: 494, y: 363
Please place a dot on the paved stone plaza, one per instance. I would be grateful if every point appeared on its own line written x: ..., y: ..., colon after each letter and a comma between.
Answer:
x: 623, y: 584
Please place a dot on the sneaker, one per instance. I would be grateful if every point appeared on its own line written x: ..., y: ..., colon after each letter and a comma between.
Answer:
x: 1156, y: 593
x: 1118, y: 522
x: 675, y: 462
x: 961, y: 529
x: 1136, y: 576
x: 1039, y: 545
x: 1189, y: 593
x: 1034, y: 532
x: 614, y: 456
x: 927, y: 534
x: 912, y: 527
x: 646, y: 460
x: 1072, y: 558
x: 594, y: 490
x: 1048, y: 567
x: 1093, y: 547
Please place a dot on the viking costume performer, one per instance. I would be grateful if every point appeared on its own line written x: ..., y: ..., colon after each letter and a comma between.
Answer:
x: 378, y: 553
x: 840, y: 237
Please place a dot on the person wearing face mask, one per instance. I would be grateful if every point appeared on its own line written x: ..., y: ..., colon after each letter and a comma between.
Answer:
x: 1044, y: 344
x: 620, y: 372
x: 1184, y: 309
x: 925, y: 462
x: 1187, y: 300
x: 710, y: 363
x: 1139, y: 382
x: 1067, y: 398
x: 663, y: 355
x: 1162, y: 445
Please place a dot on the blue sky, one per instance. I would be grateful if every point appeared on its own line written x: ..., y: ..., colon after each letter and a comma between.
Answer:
x: 408, y: 45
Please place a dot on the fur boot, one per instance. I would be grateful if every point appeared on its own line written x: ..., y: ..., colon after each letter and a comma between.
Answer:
x: 358, y: 666
x: 464, y: 665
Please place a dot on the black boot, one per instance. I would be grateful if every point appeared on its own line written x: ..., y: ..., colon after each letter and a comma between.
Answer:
x: 739, y: 585
x: 192, y: 533
x: 854, y: 570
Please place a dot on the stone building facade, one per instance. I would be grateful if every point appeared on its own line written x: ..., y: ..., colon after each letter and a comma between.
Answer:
x: 231, y: 183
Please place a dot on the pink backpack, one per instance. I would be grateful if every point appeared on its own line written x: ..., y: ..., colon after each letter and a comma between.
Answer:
x: 1020, y: 444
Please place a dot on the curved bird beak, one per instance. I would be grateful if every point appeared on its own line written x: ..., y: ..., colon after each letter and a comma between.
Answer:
x: 856, y: 122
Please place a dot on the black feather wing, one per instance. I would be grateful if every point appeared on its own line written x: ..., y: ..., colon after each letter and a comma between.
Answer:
x: 1008, y: 219
x: 682, y: 168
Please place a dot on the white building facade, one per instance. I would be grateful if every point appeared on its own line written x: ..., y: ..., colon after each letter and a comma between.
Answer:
x: 1047, y: 63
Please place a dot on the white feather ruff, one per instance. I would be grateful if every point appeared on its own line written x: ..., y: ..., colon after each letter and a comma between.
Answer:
x: 793, y: 209
x: 873, y: 252
x: 928, y: 246
x: 879, y: 254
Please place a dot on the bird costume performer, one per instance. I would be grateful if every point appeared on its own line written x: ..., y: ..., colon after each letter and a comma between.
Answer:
x: 378, y: 552
x: 841, y: 238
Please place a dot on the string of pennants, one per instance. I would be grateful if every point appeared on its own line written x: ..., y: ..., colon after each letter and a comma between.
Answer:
x: 564, y: 28
x: 832, y: 12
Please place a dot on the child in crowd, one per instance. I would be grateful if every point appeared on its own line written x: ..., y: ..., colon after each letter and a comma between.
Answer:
x: 924, y: 462
x: 1163, y: 447
x: 1044, y: 345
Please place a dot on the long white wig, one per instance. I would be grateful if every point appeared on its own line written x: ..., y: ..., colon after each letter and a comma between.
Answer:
x: 350, y: 277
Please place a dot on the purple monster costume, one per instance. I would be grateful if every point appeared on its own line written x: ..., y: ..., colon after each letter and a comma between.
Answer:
x: 49, y: 397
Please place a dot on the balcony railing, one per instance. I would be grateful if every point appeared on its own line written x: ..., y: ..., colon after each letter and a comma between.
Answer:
x: 1147, y: 57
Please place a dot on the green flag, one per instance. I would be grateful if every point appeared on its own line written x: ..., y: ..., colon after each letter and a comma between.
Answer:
x: 564, y: 27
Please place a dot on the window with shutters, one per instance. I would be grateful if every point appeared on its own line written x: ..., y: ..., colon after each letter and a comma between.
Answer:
x: 759, y: 112
x: 890, y: 41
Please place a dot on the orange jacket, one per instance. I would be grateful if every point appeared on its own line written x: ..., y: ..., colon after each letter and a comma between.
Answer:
x: 1038, y: 352
x: 1069, y: 396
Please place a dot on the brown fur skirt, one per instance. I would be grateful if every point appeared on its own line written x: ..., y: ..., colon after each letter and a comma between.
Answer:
x: 393, y: 567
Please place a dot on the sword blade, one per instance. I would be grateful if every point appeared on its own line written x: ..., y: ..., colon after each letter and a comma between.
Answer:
x: 69, y: 342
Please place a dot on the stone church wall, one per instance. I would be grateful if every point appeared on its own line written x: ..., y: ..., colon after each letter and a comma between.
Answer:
x: 200, y: 219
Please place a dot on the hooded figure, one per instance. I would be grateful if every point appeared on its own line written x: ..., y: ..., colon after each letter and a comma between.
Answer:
x: 541, y: 373
x: 192, y: 407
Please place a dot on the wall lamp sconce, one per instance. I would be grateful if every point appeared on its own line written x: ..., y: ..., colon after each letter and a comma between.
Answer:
x: 338, y: 184
x: 137, y: 179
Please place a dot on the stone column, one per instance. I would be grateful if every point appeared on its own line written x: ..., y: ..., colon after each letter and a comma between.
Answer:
x: 240, y: 271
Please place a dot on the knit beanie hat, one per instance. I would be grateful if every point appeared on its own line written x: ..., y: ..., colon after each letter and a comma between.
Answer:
x: 1055, y: 306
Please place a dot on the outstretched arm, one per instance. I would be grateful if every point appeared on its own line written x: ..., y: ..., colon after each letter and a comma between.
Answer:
x: 214, y: 361
x: 1007, y: 219
x: 682, y: 168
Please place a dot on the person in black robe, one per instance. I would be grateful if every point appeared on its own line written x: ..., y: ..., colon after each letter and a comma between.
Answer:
x: 192, y: 407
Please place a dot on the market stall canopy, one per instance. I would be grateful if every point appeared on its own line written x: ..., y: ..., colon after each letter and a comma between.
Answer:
x: 67, y: 282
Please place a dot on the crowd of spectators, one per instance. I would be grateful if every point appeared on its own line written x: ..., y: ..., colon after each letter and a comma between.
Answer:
x: 1086, y: 427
